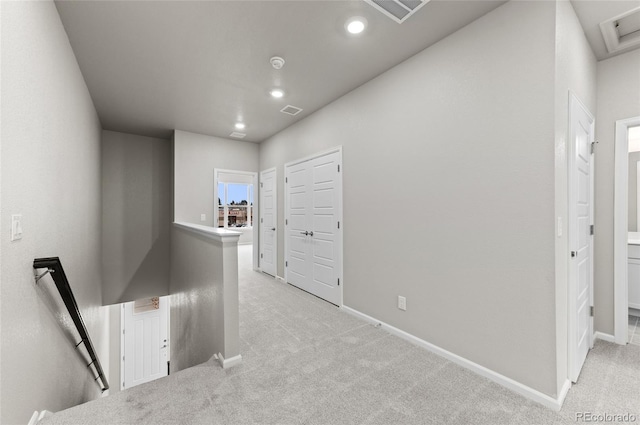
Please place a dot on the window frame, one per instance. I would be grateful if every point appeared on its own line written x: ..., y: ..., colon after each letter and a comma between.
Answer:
x: 225, y: 177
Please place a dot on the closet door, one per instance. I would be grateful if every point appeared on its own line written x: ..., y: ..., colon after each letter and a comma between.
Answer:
x: 297, y: 225
x: 325, y: 215
x: 313, y: 213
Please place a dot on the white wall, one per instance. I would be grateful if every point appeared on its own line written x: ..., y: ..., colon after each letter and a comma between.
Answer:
x: 136, y: 216
x: 204, y: 299
x: 50, y: 175
x: 196, y: 156
x: 618, y: 98
x: 464, y: 133
x: 115, y: 340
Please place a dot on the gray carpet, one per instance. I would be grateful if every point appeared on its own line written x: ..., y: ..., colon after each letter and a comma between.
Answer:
x: 307, y: 362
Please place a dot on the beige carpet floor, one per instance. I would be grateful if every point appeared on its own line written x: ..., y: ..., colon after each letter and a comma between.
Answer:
x: 307, y: 362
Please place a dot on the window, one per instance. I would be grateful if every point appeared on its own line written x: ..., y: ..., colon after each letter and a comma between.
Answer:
x: 235, y: 205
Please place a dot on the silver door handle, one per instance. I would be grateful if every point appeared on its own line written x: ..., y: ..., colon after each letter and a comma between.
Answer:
x: 164, y: 346
x: 304, y: 233
x: 273, y: 228
x: 311, y: 233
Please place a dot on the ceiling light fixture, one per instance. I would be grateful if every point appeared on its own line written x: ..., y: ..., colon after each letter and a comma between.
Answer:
x: 240, y: 126
x: 277, y: 93
x: 356, y: 25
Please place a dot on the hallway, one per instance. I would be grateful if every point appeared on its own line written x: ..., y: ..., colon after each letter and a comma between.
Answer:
x: 307, y: 362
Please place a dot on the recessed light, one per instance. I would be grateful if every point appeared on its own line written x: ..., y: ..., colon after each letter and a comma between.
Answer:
x: 356, y: 25
x: 240, y: 126
x: 277, y: 93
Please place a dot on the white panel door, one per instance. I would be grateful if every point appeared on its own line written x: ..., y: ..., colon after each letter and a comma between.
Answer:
x: 297, y: 225
x: 313, y: 214
x: 325, y: 216
x: 268, y: 222
x: 145, y: 344
x: 580, y: 238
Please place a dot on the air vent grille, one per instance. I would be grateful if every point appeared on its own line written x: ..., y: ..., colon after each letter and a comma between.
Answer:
x: 398, y: 10
x: 622, y: 32
x: 291, y: 110
x: 237, y: 135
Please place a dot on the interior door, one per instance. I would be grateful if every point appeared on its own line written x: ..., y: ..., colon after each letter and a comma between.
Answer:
x: 580, y: 237
x: 313, y: 213
x: 145, y: 341
x: 325, y: 218
x: 268, y: 221
x: 297, y: 225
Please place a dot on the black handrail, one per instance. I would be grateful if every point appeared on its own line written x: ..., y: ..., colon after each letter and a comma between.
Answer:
x: 54, y: 266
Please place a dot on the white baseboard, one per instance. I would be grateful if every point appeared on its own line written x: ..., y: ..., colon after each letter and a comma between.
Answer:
x: 280, y: 278
x: 230, y: 362
x: 39, y: 416
x: 605, y: 337
x: 506, y: 382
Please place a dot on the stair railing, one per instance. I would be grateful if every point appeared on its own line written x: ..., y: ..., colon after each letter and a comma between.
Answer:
x: 54, y: 268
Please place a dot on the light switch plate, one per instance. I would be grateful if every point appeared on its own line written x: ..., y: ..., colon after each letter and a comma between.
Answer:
x: 16, y: 227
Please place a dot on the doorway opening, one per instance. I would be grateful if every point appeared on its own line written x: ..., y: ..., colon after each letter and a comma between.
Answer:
x: 145, y: 343
x: 313, y: 225
x: 627, y: 232
x: 580, y: 234
x: 269, y: 222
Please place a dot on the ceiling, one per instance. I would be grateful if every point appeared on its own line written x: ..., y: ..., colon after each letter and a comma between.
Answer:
x: 202, y: 66
x: 155, y: 66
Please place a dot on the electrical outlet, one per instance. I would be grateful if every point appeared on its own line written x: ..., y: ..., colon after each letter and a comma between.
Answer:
x: 203, y: 217
x: 402, y: 303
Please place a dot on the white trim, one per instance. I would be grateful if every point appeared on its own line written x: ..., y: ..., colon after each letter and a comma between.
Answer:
x: 314, y: 156
x: 275, y: 208
x: 637, y: 192
x: 230, y: 362
x: 39, y: 416
x: 281, y: 279
x: 340, y: 238
x: 605, y: 337
x: 496, y: 377
x: 621, y: 230
x: 121, y: 383
x: 220, y: 235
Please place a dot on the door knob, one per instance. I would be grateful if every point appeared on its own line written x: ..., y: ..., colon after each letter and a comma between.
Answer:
x: 273, y: 228
x: 311, y: 233
x: 304, y: 233
x: 164, y: 346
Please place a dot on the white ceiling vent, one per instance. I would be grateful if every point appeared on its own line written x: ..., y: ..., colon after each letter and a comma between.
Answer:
x: 622, y: 32
x: 237, y: 135
x: 291, y: 110
x: 398, y: 10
